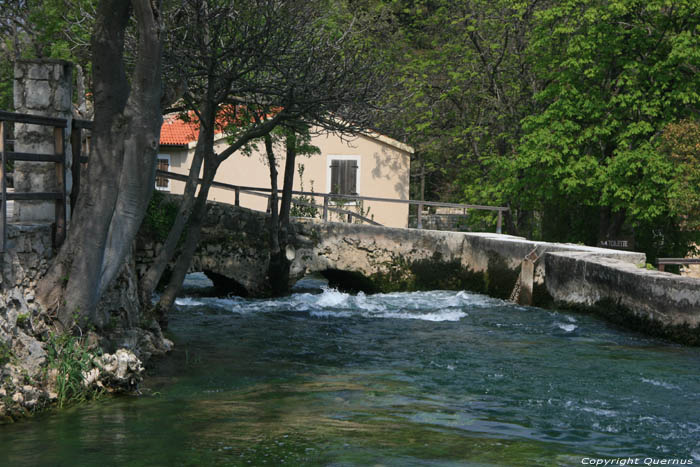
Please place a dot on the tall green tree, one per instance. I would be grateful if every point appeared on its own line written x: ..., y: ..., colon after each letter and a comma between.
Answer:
x: 617, y: 72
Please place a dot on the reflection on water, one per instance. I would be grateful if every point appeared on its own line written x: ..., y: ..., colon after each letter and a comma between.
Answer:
x: 431, y: 378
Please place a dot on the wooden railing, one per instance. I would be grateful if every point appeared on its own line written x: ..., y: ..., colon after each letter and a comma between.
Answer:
x: 64, y: 130
x: 328, y: 199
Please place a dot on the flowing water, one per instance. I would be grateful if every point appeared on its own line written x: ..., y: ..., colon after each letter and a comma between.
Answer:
x: 430, y: 378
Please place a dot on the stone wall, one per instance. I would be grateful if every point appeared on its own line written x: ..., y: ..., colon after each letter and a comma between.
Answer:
x: 26, y: 259
x: 657, y: 303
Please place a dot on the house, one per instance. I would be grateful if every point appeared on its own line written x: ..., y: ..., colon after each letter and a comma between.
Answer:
x: 371, y: 165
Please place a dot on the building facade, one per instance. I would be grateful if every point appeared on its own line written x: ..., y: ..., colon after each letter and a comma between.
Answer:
x: 370, y: 165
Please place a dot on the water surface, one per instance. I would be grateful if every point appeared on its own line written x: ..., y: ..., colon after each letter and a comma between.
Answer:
x: 429, y: 378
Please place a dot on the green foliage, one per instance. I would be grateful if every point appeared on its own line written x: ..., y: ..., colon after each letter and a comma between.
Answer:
x: 6, y: 354
x: 22, y: 319
x: 70, y: 359
x: 160, y: 215
x: 302, y: 210
x: 618, y: 72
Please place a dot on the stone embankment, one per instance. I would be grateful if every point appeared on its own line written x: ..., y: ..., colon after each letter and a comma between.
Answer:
x: 30, y: 368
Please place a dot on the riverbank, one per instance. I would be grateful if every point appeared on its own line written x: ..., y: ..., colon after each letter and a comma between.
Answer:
x: 41, y: 368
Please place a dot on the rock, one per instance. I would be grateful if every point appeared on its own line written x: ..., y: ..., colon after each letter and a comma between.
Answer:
x: 120, y: 371
x: 30, y: 352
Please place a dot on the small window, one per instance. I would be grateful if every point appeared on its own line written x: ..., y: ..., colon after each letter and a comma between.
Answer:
x: 163, y: 183
x: 343, y: 176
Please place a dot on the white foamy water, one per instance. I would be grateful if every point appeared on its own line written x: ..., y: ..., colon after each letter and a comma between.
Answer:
x: 567, y: 327
x: 661, y: 384
x: 428, y: 306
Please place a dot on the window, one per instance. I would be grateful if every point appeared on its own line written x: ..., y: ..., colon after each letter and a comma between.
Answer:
x: 163, y: 183
x: 343, y: 175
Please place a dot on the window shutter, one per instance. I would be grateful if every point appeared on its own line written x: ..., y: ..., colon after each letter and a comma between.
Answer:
x: 335, y: 177
x: 344, y: 177
x: 162, y: 182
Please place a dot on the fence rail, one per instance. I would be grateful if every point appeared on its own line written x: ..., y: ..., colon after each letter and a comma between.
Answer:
x: 68, y: 133
x: 662, y: 262
x: 328, y: 197
x: 64, y: 130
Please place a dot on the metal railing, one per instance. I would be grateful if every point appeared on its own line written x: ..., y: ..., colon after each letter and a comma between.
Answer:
x: 329, y: 198
x: 64, y: 130
x: 662, y: 262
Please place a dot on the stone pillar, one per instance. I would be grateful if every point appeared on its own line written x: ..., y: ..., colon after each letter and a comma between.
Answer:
x: 41, y: 87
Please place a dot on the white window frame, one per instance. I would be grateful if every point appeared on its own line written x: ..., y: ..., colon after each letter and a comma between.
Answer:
x: 167, y: 158
x: 358, y: 174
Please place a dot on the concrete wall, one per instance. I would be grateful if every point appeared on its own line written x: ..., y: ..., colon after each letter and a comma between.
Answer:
x: 657, y: 303
x: 384, y: 173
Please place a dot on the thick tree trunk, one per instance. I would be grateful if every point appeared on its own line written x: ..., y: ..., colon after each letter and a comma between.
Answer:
x: 125, y: 135
x: 205, y: 142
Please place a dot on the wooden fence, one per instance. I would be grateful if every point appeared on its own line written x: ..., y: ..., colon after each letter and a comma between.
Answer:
x: 64, y: 131
x: 70, y: 130
x: 328, y: 199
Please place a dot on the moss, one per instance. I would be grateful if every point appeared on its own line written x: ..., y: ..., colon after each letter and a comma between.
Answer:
x: 160, y: 216
x: 433, y: 273
x: 6, y: 354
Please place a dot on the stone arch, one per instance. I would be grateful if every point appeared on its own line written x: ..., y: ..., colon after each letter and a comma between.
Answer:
x: 349, y: 281
x: 224, y: 286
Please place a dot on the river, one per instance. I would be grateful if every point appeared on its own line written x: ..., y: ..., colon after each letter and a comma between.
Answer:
x: 427, y: 378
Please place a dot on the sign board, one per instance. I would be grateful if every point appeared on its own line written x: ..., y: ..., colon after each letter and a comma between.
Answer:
x: 625, y: 243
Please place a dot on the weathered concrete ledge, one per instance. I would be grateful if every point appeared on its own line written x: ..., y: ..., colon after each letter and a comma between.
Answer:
x: 656, y: 303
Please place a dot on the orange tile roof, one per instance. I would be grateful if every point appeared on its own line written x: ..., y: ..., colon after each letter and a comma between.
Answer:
x: 176, y: 132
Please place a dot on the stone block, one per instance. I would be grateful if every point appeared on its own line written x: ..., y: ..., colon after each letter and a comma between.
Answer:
x: 62, y: 99
x: 39, y: 96
x: 38, y: 71
x: 18, y: 96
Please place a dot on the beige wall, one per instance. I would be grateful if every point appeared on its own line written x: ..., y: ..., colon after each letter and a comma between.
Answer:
x: 383, y: 172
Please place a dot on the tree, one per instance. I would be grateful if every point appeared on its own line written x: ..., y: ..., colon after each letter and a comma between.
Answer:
x: 465, y: 84
x: 311, y: 65
x: 617, y: 73
x: 121, y: 173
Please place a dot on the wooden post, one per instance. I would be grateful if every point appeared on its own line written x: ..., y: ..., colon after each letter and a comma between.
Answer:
x: 349, y: 218
x: 527, y: 279
x: 419, y: 216
x: 499, y: 222
x: 76, y: 146
x: 60, y: 211
x: 238, y: 196
x: 325, y: 208
x: 661, y: 266
x: 3, y: 183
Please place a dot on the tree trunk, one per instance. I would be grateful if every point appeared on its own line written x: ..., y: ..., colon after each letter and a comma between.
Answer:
x: 120, y: 174
x: 194, y: 229
x: 278, y: 269
x: 274, y: 199
x: 205, y: 142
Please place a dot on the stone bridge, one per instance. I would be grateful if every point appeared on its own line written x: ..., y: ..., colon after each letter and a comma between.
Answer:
x: 615, y: 284
x: 234, y: 253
